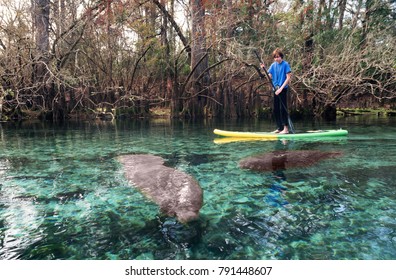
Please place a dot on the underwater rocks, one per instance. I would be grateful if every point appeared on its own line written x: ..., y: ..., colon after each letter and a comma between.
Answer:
x: 175, y: 192
x: 282, y: 160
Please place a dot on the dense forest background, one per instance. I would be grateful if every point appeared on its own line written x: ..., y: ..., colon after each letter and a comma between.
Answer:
x: 135, y: 58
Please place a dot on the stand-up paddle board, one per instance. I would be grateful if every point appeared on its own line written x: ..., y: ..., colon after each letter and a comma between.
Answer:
x: 277, y: 136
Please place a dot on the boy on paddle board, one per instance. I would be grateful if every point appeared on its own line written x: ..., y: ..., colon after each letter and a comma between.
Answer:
x: 280, y: 74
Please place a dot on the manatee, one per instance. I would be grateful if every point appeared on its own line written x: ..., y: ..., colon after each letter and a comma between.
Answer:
x: 282, y: 160
x: 175, y: 192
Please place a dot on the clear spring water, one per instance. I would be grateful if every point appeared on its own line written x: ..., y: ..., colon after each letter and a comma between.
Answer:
x: 63, y: 194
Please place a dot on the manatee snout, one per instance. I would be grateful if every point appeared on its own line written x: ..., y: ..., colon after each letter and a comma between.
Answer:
x: 187, y: 216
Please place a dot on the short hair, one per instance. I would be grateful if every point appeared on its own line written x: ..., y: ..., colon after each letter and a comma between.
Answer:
x: 277, y: 52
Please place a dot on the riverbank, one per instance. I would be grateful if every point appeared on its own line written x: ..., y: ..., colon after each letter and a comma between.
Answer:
x: 365, y: 111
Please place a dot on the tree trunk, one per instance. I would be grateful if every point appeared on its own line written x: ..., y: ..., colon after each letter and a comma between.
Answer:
x: 41, y: 11
x: 356, y: 14
x: 110, y: 44
x: 174, y: 25
x: 342, y: 8
x: 199, y: 58
x: 366, y: 21
x: 165, y: 42
x: 172, y: 87
x: 40, y: 73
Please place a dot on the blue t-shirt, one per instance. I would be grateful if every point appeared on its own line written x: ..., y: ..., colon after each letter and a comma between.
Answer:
x: 278, y: 72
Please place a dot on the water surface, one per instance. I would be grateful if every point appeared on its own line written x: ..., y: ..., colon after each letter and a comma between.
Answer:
x: 63, y: 194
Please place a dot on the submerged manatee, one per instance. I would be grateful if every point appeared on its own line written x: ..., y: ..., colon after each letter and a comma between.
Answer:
x: 282, y: 160
x: 177, y: 193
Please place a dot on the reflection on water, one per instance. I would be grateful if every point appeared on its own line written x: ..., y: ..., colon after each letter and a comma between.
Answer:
x: 63, y: 194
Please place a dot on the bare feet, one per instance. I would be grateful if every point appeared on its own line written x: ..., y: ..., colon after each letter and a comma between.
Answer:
x: 285, y: 131
x: 276, y: 131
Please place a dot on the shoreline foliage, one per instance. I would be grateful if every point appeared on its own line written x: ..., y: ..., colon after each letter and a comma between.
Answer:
x: 122, y: 58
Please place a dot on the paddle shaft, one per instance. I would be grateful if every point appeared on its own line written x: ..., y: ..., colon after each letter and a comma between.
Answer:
x: 265, y: 71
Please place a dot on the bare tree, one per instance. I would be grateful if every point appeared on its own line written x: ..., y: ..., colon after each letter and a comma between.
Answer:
x: 126, y: 57
x: 41, y: 19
